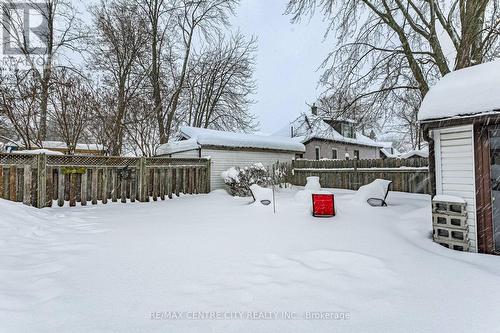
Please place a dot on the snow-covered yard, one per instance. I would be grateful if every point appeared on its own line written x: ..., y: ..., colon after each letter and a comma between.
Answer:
x: 125, y: 268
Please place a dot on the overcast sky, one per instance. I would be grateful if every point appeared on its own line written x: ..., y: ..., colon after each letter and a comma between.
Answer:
x: 287, y: 60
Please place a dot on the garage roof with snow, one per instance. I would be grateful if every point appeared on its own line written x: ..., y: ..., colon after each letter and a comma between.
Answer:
x: 195, y: 138
x: 465, y: 92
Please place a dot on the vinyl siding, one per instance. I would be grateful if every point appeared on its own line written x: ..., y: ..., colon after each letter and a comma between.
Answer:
x: 187, y: 154
x: 225, y: 159
x: 455, y: 175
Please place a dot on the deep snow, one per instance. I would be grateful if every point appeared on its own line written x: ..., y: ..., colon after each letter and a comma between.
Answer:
x: 107, y: 268
x: 468, y: 91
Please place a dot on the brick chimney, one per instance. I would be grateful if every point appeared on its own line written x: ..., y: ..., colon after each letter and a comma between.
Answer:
x: 314, y: 109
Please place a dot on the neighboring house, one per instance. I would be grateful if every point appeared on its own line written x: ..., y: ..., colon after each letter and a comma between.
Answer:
x: 388, y: 150
x: 327, y: 138
x: 228, y: 149
x: 460, y: 119
x: 80, y: 149
x: 422, y: 153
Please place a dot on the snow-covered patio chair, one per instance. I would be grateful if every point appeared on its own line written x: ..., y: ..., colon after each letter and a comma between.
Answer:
x: 261, y: 194
x: 375, y: 193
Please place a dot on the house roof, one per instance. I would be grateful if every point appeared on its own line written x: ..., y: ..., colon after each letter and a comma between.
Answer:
x: 470, y: 91
x: 422, y: 153
x: 386, y: 144
x: 387, y: 154
x: 308, y: 126
x: 194, y: 138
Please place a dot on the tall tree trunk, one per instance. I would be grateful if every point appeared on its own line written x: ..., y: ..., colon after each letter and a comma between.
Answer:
x: 155, y: 81
x: 117, y: 133
x: 472, y: 14
x: 47, y: 73
x: 177, y: 93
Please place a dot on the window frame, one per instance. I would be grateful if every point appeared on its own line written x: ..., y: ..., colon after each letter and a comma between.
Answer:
x: 356, y: 154
x: 336, y: 154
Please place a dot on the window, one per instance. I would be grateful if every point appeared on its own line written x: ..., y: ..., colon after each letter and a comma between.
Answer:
x: 334, y: 154
x: 317, y: 153
x: 356, y: 154
x: 348, y: 131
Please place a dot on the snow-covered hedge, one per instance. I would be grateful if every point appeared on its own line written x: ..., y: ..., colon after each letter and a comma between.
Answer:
x: 239, y: 179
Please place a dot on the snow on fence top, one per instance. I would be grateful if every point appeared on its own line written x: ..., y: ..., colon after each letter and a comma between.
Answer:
x: 467, y: 91
x: 194, y: 138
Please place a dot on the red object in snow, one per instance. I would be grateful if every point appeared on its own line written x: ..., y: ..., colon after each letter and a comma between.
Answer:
x: 323, y: 205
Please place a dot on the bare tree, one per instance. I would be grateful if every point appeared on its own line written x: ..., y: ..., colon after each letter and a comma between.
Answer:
x: 391, y: 48
x: 118, y: 45
x: 60, y: 33
x: 141, y: 130
x: 159, y: 16
x: 220, y: 86
x: 206, y: 17
x: 20, y: 107
x: 73, y: 106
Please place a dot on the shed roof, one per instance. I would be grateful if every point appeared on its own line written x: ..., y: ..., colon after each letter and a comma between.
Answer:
x: 470, y: 91
x: 194, y: 138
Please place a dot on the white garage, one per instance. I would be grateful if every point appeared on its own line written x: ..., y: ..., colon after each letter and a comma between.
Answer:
x: 228, y: 149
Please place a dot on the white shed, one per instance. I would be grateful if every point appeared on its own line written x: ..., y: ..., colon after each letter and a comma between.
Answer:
x: 460, y: 118
x: 228, y: 149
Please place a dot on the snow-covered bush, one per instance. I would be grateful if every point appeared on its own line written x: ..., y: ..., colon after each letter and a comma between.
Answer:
x: 239, y: 179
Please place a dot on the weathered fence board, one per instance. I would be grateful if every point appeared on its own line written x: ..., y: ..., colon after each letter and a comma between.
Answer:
x: 40, y: 179
x: 411, y: 175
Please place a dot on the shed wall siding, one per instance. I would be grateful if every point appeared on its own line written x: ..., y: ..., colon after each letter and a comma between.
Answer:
x: 225, y: 159
x: 187, y: 154
x: 455, y: 175
x: 365, y: 152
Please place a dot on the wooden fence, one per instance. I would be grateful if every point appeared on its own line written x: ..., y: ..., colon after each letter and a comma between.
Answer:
x: 37, y: 180
x: 407, y: 175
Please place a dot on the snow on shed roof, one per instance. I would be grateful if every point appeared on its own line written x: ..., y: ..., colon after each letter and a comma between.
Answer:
x: 468, y: 91
x: 177, y: 146
x: 198, y: 137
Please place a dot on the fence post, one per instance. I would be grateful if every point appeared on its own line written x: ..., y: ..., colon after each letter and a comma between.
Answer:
x: 27, y: 185
x: 142, y: 180
x: 41, y: 180
x: 209, y: 172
